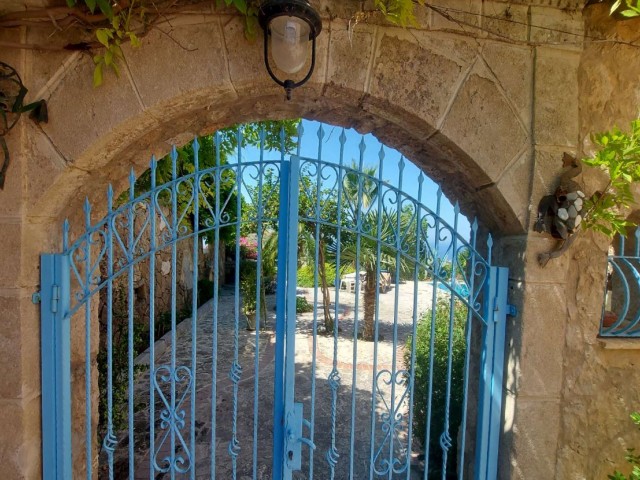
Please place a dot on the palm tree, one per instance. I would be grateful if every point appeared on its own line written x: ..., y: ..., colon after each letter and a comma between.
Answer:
x: 361, y: 195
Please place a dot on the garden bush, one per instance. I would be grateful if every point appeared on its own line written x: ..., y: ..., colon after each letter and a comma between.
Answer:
x: 632, y: 458
x: 306, y: 275
x: 439, y: 392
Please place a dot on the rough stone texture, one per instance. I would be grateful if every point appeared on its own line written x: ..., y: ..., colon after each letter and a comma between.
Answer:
x: 559, y: 28
x: 556, y: 97
x: 478, y: 111
x: 350, y: 54
x: 512, y: 68
x: 427, y: 92
x: 505, y: 20
x: 196, y: 50
x: 598, y: 393
x: 419, y: 90
x: 531, y: 455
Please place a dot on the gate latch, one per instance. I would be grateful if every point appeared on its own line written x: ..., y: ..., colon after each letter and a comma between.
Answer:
x: 294, y: 438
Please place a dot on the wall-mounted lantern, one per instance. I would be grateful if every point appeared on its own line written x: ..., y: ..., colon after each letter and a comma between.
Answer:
x: 289, y: 26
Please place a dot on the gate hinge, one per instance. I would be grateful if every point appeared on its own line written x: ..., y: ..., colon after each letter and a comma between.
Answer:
x: 36, y: 298
x: 512, y: 311
x: 55, y: 298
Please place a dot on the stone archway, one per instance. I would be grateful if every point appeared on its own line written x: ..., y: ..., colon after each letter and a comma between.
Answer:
x: 437, y: 93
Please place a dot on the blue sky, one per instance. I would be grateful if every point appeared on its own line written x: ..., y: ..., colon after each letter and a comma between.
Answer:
x: 331, y: 153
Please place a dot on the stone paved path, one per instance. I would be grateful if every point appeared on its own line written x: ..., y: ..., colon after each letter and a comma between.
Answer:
x: 350, y: 428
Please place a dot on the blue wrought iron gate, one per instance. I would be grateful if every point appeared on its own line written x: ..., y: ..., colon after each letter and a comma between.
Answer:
x: 367, y: 384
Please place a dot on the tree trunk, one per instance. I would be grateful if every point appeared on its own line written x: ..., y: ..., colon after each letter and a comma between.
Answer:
x: 326, y: 299
x: 369, y: 305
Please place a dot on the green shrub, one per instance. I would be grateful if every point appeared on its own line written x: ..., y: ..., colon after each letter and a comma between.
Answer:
x: 631, y: 457
x: 306, y: 275
x: 439, y: 392
x: 302, y: 306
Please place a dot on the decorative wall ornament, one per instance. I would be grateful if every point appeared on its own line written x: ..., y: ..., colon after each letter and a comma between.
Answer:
x: 561, y: 214
x: 12, y: 93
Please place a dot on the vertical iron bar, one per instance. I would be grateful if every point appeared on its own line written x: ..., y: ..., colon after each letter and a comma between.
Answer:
x: 414, y: 340
x: 110, y: 435
x: 216, y: 286
x: 434, y: 305
x: 452, y: 305
x: 55, y: 333
x: 469, y: 330
x: 292, y: 255
x: 278, y: 382
x: 87, y: 351
x: 360, y: 178
x: 312, y: 418
x: 334, y: 376
x: 398, y: 248
x: 492, y: 364
x: 381, y: 156
x: 131, y: 255
x: 152, y: 319
x: 194, y: 301
x: 256, y: 365
x: 236, y: 369
x: 174, y: 336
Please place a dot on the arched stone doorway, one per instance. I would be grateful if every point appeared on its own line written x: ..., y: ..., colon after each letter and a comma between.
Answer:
x: 437, y: 95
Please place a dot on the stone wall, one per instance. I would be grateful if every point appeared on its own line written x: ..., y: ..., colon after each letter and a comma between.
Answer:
x: 601, y: 377
x: 485, y: 99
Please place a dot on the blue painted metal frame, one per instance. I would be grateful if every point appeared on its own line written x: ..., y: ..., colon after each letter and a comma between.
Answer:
x: 492, y: 375
x: 481, y: 288
x: 56, y: 367
x: 622, y: 284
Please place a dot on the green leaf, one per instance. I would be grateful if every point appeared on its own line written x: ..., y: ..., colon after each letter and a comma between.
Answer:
x: 104, y: 35
x: 630, y: 13
x: 135, y: 41
x: 71, y: 3
x: 105, y: 8
x: 97, y: 75
x: 241, y: 5
x: 91, y: 4
x: 615, y: 6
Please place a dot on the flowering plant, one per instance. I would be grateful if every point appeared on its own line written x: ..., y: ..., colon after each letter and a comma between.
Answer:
x: 248, y: 248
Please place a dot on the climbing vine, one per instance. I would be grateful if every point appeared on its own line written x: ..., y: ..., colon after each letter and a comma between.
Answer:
x: 111, y: 24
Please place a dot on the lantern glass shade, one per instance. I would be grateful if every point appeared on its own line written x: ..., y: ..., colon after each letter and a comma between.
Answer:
x: 289, y: 42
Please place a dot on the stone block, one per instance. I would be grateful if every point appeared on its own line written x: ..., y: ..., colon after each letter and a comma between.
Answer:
x: 513, y: 69
x: 10, y: 338
x: 46, y: 68
x: 11, y: 246
x: 505, y: 21
x: 11, y: 196
x: 415, y: 78
x: 30, y: 346
x: 457, y: 15
x: 482, y: 123
x: 535, y: 365
x: 349, y: 56
x: 555, y: 26
x: 104, y: 111
x: 556, y: 97
x: 515, y: 186
x: 197, y: 52
x: 528, y: 447
x: 43, y: 165
x: 12, y: 420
